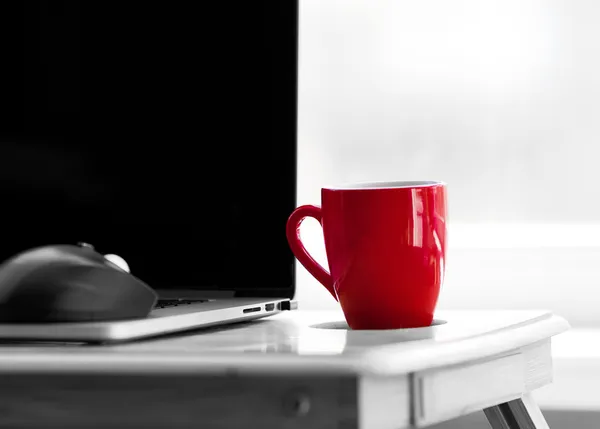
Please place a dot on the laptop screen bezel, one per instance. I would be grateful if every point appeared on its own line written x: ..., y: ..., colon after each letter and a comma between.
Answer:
x: 286, y: 291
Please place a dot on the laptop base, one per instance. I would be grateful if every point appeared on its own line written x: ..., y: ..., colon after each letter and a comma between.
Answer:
x: 161, y: 321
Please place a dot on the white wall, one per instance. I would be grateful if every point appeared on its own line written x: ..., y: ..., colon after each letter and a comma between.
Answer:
x: 500, y: 99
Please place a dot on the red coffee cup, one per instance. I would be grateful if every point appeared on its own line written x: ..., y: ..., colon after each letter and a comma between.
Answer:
x: 386, y: 248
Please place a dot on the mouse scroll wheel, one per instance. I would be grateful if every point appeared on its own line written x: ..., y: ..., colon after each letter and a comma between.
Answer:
x: 118, y: 262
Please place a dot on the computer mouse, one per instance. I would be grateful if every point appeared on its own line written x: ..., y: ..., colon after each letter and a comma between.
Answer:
x: 70, y: 283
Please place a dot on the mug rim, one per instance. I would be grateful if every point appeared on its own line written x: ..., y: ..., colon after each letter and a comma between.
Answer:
x: 395, y: 184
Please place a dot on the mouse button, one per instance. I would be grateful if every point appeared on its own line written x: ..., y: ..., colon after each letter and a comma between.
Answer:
x: 46, y: 255
x: 83, y: 252
x: 101, y: 293
x: 56, y: 294
x: 15, y: 272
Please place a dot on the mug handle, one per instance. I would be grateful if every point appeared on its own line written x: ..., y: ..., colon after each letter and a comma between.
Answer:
x: 293, y: 237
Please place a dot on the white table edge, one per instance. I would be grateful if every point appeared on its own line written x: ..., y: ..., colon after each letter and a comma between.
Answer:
x: 381, y: 361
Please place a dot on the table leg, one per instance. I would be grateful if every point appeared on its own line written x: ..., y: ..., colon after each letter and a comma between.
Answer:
x: 518, y: 414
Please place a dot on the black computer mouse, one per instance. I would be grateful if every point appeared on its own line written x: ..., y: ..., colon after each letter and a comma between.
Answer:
x: 70, y: 283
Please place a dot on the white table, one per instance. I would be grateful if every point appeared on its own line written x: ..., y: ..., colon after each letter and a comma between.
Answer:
x: 295, y: 370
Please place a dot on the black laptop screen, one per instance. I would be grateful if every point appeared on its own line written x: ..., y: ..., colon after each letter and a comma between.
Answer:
x: 162, y: 132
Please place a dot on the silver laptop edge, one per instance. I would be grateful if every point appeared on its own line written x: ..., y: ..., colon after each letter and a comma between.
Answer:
x: 159, y: 322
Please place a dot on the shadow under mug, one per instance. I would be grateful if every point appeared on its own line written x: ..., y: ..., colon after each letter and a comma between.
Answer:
x: 386, y: 248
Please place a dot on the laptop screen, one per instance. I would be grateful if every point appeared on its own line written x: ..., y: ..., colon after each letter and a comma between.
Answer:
x: 164, y: 133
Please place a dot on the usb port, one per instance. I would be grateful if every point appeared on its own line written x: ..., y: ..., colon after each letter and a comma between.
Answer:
x: 251, y: 310
x: 270, y: 307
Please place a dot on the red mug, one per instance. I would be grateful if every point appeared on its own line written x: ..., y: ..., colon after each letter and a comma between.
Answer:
x: 386, y: 248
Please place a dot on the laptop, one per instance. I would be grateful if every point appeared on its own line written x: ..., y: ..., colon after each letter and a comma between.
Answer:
x: 164, y: 134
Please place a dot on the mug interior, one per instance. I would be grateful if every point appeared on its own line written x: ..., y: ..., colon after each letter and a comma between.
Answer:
x: 387, y: 185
